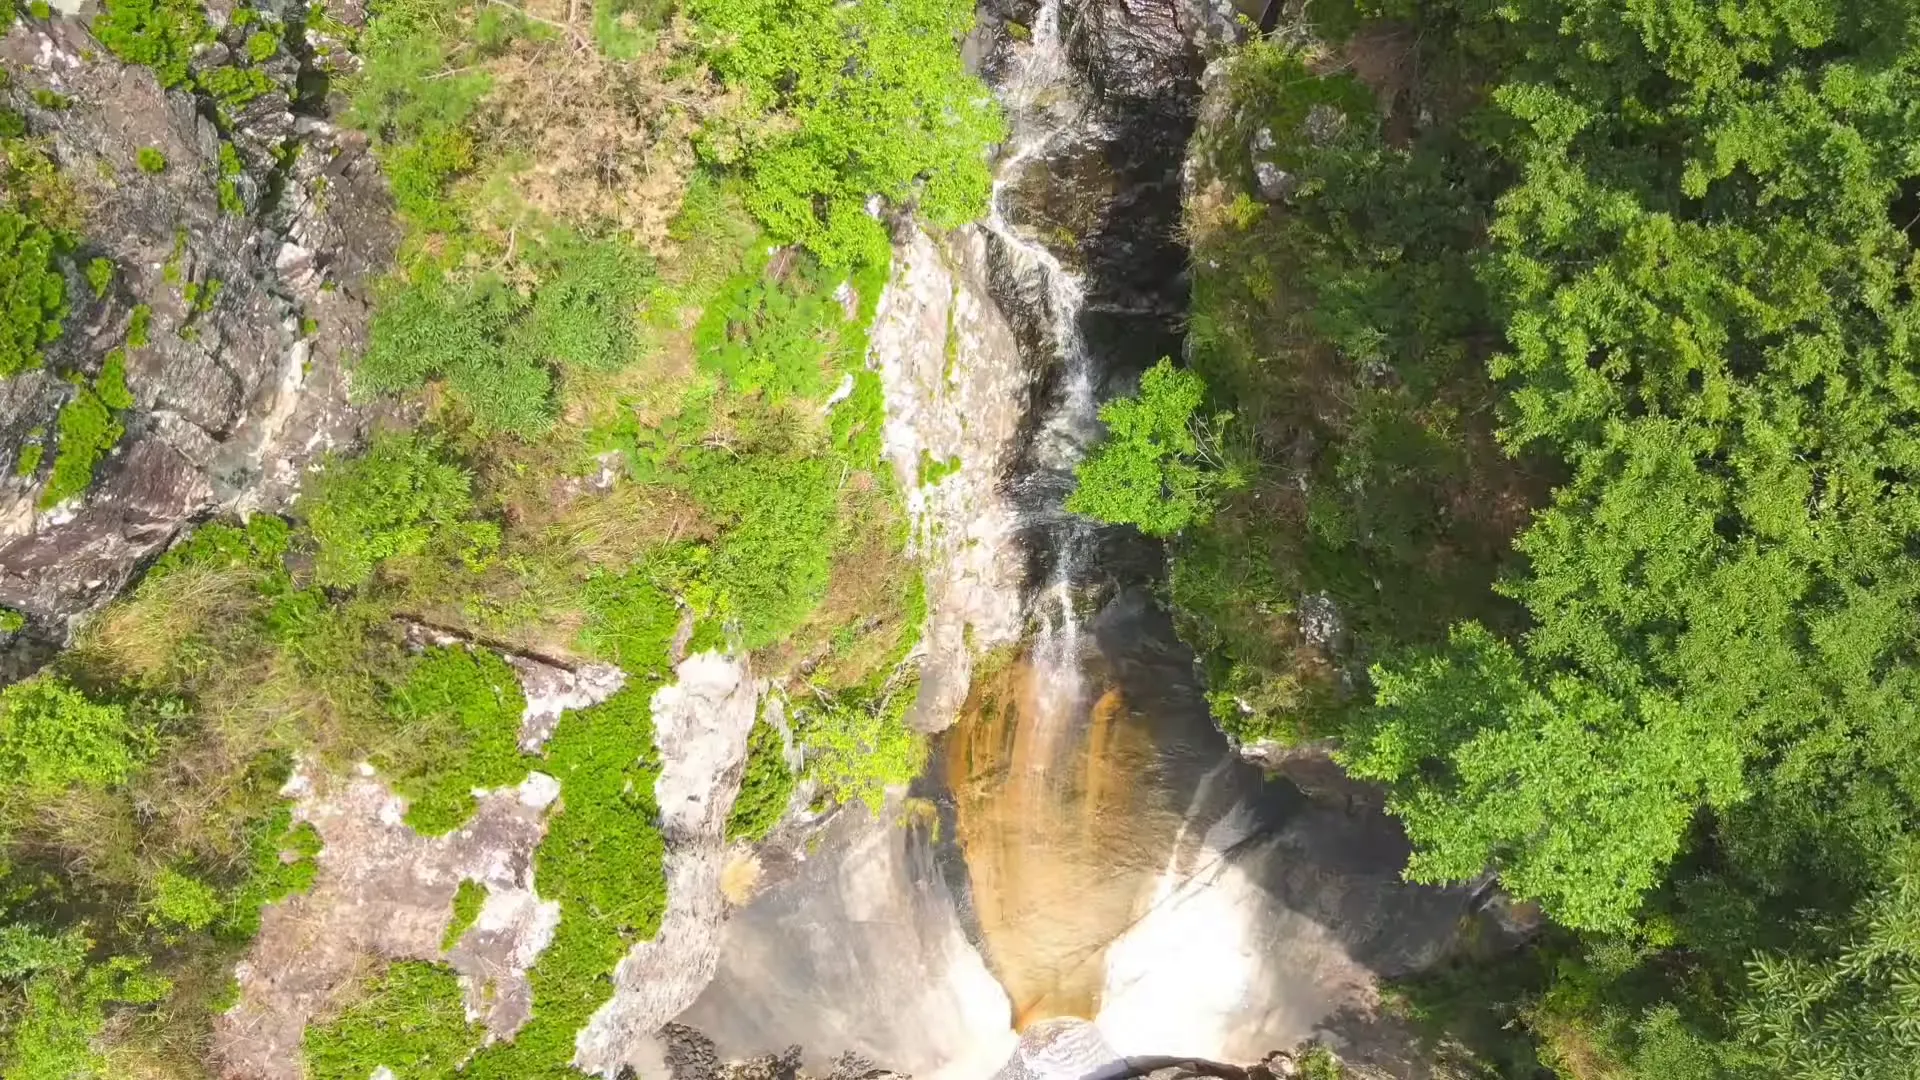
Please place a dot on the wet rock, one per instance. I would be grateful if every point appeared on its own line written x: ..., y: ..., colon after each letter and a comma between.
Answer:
x: 955, y: 387
x: 233, y: 397
x: 864, y: 941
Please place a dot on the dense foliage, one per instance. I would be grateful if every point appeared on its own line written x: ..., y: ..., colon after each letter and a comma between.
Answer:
x: 392, y: 500
x: 1646, y: 269
x: 636, y: 265
x: 875, y: 102
x: 1159, y: 465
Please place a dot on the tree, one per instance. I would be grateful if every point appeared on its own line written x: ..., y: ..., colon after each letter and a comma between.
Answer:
x: 1159, y: 465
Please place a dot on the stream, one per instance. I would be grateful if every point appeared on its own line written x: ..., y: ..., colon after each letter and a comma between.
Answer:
x: 1103, y: 874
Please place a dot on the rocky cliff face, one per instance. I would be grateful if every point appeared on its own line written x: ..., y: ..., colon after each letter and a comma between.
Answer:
x: 956, y: 393
x: 242, y: 383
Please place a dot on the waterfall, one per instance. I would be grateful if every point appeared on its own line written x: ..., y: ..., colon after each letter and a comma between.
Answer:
x: 1046, y: 103
x: 1115, y: 878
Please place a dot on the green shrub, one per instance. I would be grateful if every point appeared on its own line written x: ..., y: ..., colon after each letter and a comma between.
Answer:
x: 857, y: 745
x: 100, y: 276
x: 395, y: 499
x: 495, y: 347
x: 183, y: 902
x: 1159, y: 466
x: 33, y: 294
x: 772, y: 562
x: 11, y: 621
x: 466, y: 909
x: 459, y: 710
x: 87, y: 431
x: 52, y: 101
x: 586, y: 305
x: 40, y: 9
x: 160, y: 34
x: 150, y: 160
x: 765, y: 789
x: 763, y: 336
x: 411, y: 1020
x: 61, y: 1016
x: 53, y: 736
x: 871, y: 98
x: 459, y: 333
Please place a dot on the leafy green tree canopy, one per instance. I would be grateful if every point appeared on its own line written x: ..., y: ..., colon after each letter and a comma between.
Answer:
x: 1160, y: 465
x: 1709, y: 309
x: 865, y: 98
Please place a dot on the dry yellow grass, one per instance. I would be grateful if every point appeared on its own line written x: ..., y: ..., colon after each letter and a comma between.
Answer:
x: 740, y: 877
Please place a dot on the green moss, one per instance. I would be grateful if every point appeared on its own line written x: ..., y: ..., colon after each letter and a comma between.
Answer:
x: 112, y: 382
x: 602, y: 861
x: 410, y: 1019
x: 139, y: 326
x: 281, y: 860
x: 262, y: 44
x: 160, y: 34
x: 234, y: 86
x: 933, y: 470
x: 231, y: 169
x: 40, y: 9
x: 150, y: 160
x: 11, y: 621
x: 466, y: 908
x: 51, y: 100
x: 31, y: 455
x: 33, y: 294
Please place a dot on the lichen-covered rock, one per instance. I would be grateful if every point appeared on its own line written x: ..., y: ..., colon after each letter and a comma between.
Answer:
x: 240, y: 383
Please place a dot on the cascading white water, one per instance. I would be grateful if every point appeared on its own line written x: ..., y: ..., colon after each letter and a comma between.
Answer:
x: 1045, y: 102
